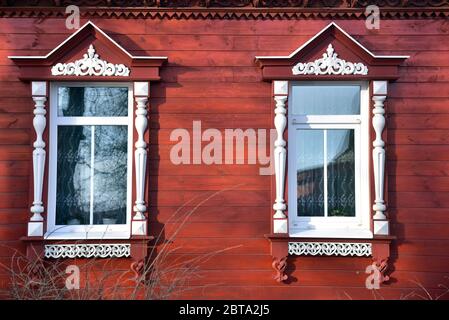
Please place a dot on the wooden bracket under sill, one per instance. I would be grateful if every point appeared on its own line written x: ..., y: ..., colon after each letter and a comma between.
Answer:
x: 282, y: 246
x: 134, y: 248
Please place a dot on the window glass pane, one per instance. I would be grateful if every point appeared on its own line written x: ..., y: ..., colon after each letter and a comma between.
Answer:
x: 325, y: 100
x: 341, y: 172
x: 73, y: 175
x: 310, y: 178
x: 92, y: 101
x: 110, y: 174
x: 79, y: 174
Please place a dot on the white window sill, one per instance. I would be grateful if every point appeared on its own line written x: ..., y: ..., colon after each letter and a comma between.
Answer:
x: 343, y: 233
x: 86, y: 236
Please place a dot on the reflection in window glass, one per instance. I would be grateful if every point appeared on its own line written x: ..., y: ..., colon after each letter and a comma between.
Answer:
x: 73, y: 175
x: 325, y: 172
x: 92, y: 102
x: 325, y: 100
x: 78, y: 171
x: 110, y: 169
x: 310, y: 175
x: 340, y: 173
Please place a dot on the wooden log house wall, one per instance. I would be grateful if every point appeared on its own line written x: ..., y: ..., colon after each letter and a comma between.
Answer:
x: 211, y: 74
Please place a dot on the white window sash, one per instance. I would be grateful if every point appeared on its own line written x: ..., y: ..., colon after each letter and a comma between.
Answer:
x: 92, y: 121
x: 342, y: 227
x: 54, y: 231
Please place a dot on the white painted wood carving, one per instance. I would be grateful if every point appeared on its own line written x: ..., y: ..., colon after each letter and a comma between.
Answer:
x: 329, y: 249
x: 39, y: 124
x: 379, y: 162
x: 90, y: 65
x: 280, y: 155
x: 330, y: 64
x: 140, y: 156
x: 109, y: 250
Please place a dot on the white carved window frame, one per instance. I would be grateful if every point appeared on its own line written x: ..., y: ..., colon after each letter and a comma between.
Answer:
x: 333, y: 227
x: 54, y: 231
x: 94, y: 67
x: 378, y: 220
x: 137, y: 222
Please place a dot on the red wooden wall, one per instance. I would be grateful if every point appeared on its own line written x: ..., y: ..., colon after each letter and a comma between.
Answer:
x: 211, y: 77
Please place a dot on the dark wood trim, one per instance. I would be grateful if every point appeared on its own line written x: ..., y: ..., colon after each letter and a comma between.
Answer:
x: 229, y: 9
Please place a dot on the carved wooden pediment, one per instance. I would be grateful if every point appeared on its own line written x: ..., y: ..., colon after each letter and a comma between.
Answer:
x: 88, y: 54
x: 331, y: 53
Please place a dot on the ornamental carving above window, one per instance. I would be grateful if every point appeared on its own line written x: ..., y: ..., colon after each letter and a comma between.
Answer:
x: 90, y: 65
x: 330, y: 64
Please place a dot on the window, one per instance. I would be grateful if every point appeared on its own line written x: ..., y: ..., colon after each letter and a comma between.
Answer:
x: 328, y: 159
x: 90, y: 161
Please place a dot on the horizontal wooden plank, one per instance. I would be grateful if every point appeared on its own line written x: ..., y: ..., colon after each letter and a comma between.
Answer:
x: 14, y: 216
x: 423, y: 74
x: 418, y: 184
x: 422, y: 136
x: 14, y: 168
x: 15, y: 121
x: 14, y: 136
x: 425, y: 121
x: 418, y: 200
x: 219, y: 214
x: 226, y: 121
x: 226, y: 198
x: 164, y: 152
x: 251, y: 136
x: 216, y: 105
x: 419, y: 215
x: 12, y: 184
x: 417, y: 105
x: 418, y: 152
x: 211, y: 74
x: 406, y: 90
x: 416, y: 247
x: 199, y: 229
x: 418, y: 168
x: 15, y: 152
x: 226, y: 246
x: 210, y: 183
x: 16, y: 105
x: 426, y: 58
x: 430, y: 231
x: 12, y: 231
x: 8, y: 249
x: 164, y: 167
